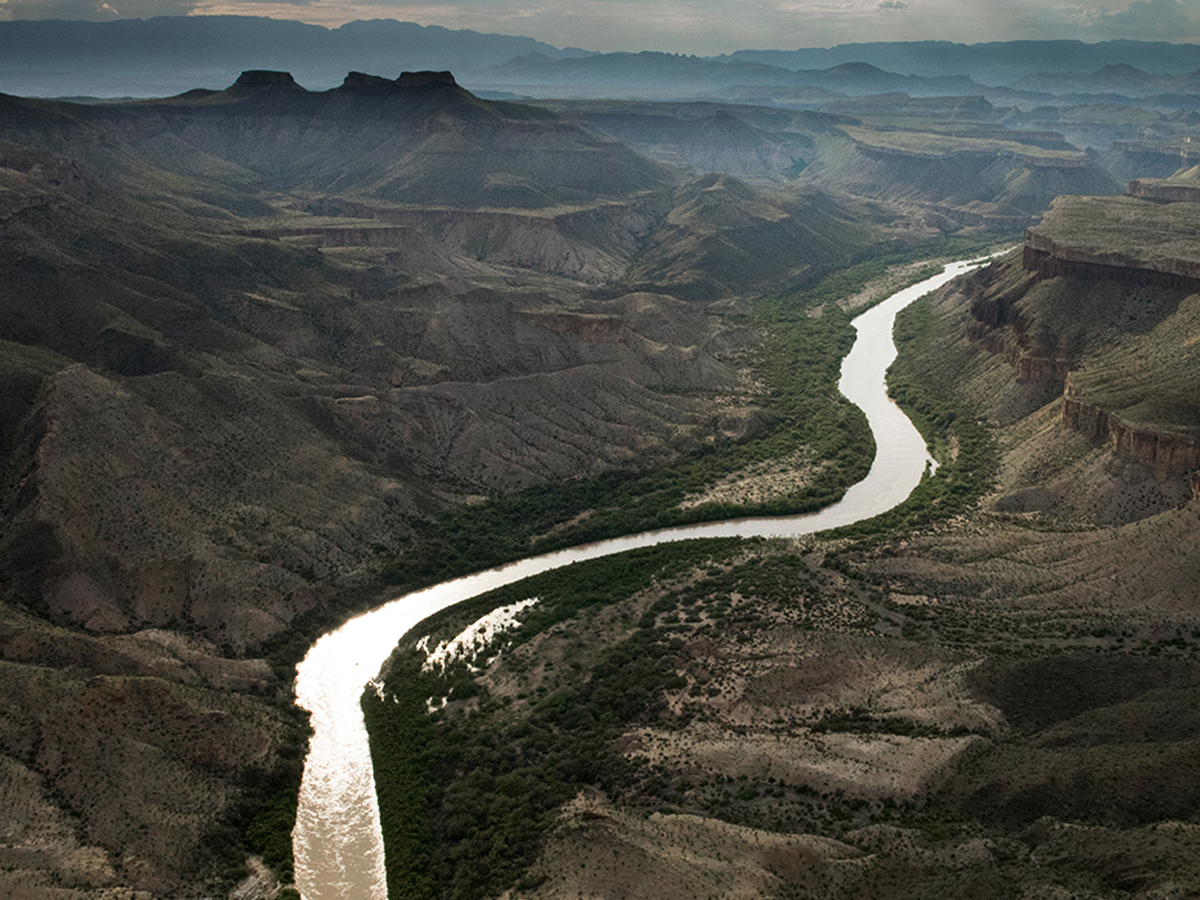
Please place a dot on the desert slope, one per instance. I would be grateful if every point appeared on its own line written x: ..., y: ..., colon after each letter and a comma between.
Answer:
x: 991, y: 698
x: 251, y: 342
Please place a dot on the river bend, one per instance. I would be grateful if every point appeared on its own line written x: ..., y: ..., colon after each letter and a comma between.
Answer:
x: 337, y: 840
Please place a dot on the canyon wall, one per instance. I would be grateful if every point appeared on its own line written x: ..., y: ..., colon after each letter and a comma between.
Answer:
x: 1165, y: 454
x: 1018, y: 314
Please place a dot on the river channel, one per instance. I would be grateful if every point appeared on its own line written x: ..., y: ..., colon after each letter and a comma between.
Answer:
x: 337, y: 840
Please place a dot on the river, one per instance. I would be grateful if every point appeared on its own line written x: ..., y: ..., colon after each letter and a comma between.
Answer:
x: 337, y: 840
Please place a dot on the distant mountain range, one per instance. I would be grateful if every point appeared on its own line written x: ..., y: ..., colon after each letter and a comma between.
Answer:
x: 170, y: 54
x: 287, y: 138
x: 995, y: 63
x: 166, y: 55
x: 650, y: 74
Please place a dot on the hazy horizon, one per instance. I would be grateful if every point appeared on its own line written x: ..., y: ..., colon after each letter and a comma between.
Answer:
x: 702, y: 27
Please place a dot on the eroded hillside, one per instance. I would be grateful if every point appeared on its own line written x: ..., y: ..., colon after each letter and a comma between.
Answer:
x: 991, y: 698
x: 251, y: 342
x: 1097, y: 320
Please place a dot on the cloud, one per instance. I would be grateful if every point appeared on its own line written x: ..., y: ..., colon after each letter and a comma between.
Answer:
x: 1146, y: 20
x: 93, y: 10
x: 696, y: 26
x: 1163, y: 18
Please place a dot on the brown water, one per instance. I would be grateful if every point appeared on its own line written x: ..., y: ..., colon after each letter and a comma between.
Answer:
x: 337, y: 840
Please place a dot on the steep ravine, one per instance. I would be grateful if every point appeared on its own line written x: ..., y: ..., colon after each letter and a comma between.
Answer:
x: 1106, y: 324
x: 337, y: 841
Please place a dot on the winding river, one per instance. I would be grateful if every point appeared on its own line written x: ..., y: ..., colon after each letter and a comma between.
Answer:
x: 337, y: 840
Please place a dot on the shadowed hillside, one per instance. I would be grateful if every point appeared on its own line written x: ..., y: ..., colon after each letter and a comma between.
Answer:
x: 418, y: 139
x: 989, y: 692
x: 252, y: 342
x: 263, y: 347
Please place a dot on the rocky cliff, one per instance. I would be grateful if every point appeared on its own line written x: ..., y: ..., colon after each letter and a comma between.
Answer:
x: 1166, y: 454
x: 1122, y: 238
x: 223, y: 407
x: 995, y: 179
x: 1150, y: 250
x: 1101, y: 309
x: 1163, y: 190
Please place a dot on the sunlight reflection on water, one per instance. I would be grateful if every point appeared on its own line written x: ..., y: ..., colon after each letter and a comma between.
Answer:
x: 337, y: 841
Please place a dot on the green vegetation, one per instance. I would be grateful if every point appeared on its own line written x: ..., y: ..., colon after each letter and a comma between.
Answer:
x: 922, y: 382
x: 497, y: 785
x: 488, y: 788
x: 491, y: 773
x: 465, y: 799
x: 262, y: 819
x: 565, y: 592
x: 469, y: 790
x: 800, y: 363
x: 859, y: 720
x: 1108, y: 732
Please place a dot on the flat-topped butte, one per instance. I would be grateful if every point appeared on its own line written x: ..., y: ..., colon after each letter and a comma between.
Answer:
x: 1121, y: 232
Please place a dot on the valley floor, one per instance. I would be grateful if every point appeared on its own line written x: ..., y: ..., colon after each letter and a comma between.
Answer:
x: 968, y: 700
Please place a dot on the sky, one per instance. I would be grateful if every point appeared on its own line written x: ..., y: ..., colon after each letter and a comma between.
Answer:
x: 702, y: 27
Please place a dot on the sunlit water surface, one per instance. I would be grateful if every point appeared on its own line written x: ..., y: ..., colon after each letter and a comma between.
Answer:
x: 337, y: 840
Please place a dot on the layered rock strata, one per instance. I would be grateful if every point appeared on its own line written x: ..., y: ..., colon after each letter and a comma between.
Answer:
x: 1122, y: 238
x: 1157, y: 252
x: 1166, y: 454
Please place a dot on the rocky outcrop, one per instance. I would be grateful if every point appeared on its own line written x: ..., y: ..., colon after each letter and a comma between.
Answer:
x: 363, y: 80
x: 1003, y: 329
x: 426, y: 79
x: 1165, y: 454
x: 1117, y: 238
x: 1163, y: 191
x: 1018, y: 316
x: 257, y: 82
x: 1165, y: 451
x: 1050, y: 259
x: 1042, y: 368
x: 406, y: 80
x: 265, y: 77
x: 1120, y: 247
x: 1008, y: 344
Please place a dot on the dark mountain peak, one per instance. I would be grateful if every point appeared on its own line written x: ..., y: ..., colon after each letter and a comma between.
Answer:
x: 1122, y: 70
x: 856, y: 69
x: 362, y: 80
x: 261, y: 88
x: 265, y: 78
x: 421, y: 88
x: 426, y: 79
